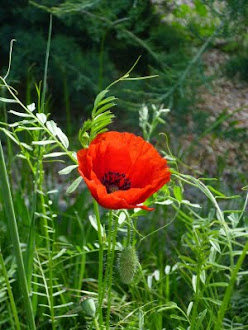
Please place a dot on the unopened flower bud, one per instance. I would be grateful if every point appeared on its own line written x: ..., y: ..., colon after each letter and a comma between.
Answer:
x: 128, y: 263
x: 88, y: 306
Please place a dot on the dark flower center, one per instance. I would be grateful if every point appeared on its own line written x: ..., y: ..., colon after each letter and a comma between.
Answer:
x: 114, y: 181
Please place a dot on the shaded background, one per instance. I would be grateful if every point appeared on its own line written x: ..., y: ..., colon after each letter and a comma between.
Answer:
x: 198, y: 49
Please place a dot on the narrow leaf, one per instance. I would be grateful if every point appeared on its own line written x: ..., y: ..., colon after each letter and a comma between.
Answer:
x: 43, y: 143
x: 67, y: 169
x: 99, y: 97
x: 54, y: 154
x: 215, y: 245
x: 194, y: 280
x: 105, y: 107
x: 74, y: 185
x: 189, y: 308
x: 26, y: 146
x: 20, y: 114
x: 63, y: 138
x: 10, y: 135
x: 42, y: 117
x: 93, y: 222
x: 31, y: 107
x: 52, y: 126
x: 107, y: 100
x: 178, y: 193
x: 3, y: 99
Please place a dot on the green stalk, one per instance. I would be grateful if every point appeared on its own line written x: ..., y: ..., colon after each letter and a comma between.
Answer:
x: 106, y: 278
x: 96, y: 324
x: 43, y: 96
x: 229, y: 289
x: 11, y: 298
x: 82, y: 258
x: 128, y: 242
x: 67, y: 105
x: 100, y: 267
x: 196, y: 300
x: 110, y: 271
x: 9, y: 209
x: 48, y: 247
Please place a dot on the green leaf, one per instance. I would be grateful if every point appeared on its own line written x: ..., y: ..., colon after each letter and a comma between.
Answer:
x: 31, y: 107
x: 43, y: 143
x: 20, y: 114
x: 177, y: 193
x: 26, y: 146
x: 67, y: 169
x: 169, y: 305
x: 41, y: 117
x: 54, y: 154
x: 3, y: 99
x: 215, y: 191
x: 28, y: 128
x: 200, y: 319
x: 165, y: 202
x: 99, y: 97
x: 10, y: 135
x: 189, y: 308
x: 107, y: 100
x: 105, y: 107
x: 52, y: 127
x: 74, y: 185
x: 94, y: 224
x: 215, y: 245
x: 176, y: 317
x: 63, y: 138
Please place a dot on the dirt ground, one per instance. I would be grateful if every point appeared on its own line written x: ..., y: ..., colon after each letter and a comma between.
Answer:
x: 213, y: 154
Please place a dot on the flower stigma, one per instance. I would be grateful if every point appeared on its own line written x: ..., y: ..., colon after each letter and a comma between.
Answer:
x: 114, y: 181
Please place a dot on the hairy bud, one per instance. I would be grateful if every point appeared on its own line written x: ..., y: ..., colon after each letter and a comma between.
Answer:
x: 128, y: 263
x: 88, y: 306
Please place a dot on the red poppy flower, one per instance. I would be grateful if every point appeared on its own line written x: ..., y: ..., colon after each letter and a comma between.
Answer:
x: 122, y: 170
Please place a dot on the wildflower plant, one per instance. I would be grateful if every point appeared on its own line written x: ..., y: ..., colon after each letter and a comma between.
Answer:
x: 121, y: 171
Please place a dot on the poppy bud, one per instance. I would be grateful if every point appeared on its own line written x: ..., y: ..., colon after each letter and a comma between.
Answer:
x: 128, y: 262
x: 88, y: 306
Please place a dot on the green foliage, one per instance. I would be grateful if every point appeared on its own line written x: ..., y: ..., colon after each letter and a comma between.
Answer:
x: 96, y: 50
x: 101, y: 118
x: 192, y: 248
x: 191, y: 262
x: 237, y: 66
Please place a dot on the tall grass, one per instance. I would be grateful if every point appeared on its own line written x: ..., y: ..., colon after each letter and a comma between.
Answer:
x: 191, y: 272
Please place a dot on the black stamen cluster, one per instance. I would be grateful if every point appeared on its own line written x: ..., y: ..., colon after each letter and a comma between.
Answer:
x: 114, y: 181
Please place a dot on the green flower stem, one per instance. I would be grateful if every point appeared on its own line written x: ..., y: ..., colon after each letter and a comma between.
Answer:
x: 11, y: 298
x: 106, y: 277
x: 96, y: 324
x: 50, y: 252
x: 9, y: 208
x: 100, y: 267
x: 229, y: 289
x: 128, y: 232
x: 196, y: 300
x: 110, y: 267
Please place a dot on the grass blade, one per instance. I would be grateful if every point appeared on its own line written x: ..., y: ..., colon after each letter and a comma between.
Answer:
x: 9, y: 208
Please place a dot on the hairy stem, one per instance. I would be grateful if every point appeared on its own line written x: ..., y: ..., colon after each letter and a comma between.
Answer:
x: 110, y: 267
x: 100, y: 267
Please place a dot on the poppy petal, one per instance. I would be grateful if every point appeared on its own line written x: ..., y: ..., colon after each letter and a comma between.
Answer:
x: 122, y: 170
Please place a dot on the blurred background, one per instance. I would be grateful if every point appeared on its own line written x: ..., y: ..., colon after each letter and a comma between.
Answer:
x: 197, y: 48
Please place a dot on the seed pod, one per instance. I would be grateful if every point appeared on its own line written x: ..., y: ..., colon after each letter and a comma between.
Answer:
x: 88, y: 306
x: 128, y: 263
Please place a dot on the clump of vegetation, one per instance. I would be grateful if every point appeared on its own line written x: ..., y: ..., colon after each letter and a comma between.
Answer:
x: 65, y: 261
